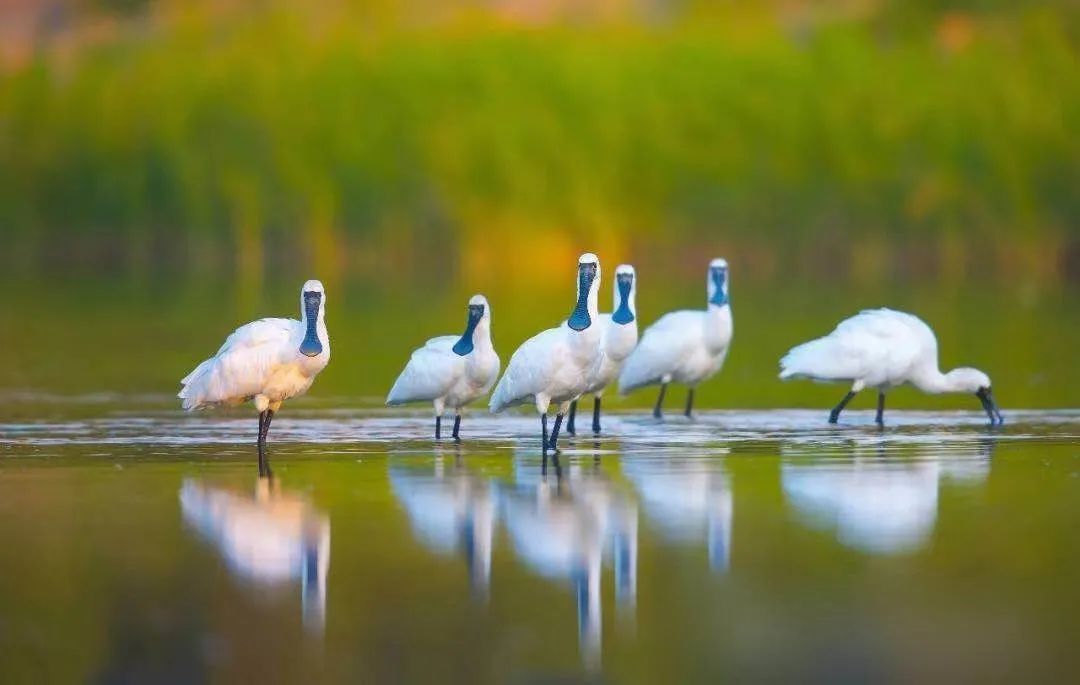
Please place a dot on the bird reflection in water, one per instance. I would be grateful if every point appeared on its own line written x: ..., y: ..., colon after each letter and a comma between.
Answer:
x: 687, y: 500
x: 562, y: 527
x: 269, y: 538
x: 880, y: 500
x: 451, y: 510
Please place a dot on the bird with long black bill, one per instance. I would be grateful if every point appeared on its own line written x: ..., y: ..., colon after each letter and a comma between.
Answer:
x: 451, y: 371
x: 687, y: 346
x: 884, y: 348
x: 266, y: 362
x: 617, y: 341
x: 554, y: 365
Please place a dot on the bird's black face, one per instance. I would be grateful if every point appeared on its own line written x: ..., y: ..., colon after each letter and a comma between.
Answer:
x: 465, y: 345
x: 986, y: 397
x: 623, y: 315
x: 311, y: 346
x: 579, y: 319
x: 718, y: 274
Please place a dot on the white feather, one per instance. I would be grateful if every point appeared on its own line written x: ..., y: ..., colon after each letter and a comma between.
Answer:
x: 436, y: 373
x: 883, y: 348
x: 553, y: 365
x: 260, y: 360
x: 686, y: 346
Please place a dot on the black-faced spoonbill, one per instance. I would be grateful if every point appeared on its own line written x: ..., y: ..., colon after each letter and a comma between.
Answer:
x: 451, y: 371
x: 686, y: 346
x: 618, y: 338
x: 883, y: 348
x: 266, y: 361
x: 554, y: 365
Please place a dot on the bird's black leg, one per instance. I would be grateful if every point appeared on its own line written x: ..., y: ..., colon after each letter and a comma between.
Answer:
x: 596, y: 415
x: 260, y: 443
x: 457, y: 427
x: 880, y: 418
x: 657, y: 414
x: 570, y: 420
x: 438, y: 427
x: 554, y: 445
x: 264, y: 429
x: 543, y: 432
x: 690, y: 404
x: 834, y: 415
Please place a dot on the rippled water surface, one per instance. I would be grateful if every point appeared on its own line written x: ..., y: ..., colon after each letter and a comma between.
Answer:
x: 138, y: 545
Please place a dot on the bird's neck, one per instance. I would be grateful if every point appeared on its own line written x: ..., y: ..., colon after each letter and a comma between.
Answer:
x: 717, y: 326
x: 482, y: 334
x: 932, y: 381
x: 619, y: 339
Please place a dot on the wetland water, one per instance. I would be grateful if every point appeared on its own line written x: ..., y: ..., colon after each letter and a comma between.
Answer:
x: 139, y: 546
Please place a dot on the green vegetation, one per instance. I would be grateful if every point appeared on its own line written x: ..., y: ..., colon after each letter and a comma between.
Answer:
x: 191, y: 135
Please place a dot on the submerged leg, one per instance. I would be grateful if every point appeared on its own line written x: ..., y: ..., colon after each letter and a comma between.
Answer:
x: 657, y: 414
x: 880, y: 418
x: 570, y: 420
x: 596, y: 414
x: 543, y: 432
x: 554, y: 444
x: 690, y: 404
x: 438, y: 427
x: 457, y: 427
x: 835, y: 413
x: 264, y: 428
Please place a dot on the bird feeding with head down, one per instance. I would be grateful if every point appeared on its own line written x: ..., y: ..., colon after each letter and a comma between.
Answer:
x: 554, y: 365
x: 619, y: 335
x: 451, y: 371
x: 883, y: 348
x: 686, y: 346
x: 267, y: 362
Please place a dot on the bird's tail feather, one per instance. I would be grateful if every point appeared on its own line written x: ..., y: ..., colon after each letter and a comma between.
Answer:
x: 816, y: 359
x: 192, y: 390
x: 635, y: 375
x: 501, y: 396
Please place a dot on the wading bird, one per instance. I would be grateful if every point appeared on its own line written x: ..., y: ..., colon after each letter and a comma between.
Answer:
x: 450, y: 371
x: 686, y: 346
x: 883, y: 348
x: 617, y: 341
x: 554, y: 365
x: 266, y: 361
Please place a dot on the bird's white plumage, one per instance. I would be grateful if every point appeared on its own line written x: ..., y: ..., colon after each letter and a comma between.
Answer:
x: 686, y: 346
x: 437, y: 374
x: 617, y: 340
x: 273, y: 538
x: 879, y: 348
x: 261, y: 361
x: 553, y: 365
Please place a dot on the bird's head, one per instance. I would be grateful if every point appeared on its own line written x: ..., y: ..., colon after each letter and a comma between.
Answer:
x: 588, y: 281
x: 312, y: 306
x: 967, y: 379
x: 625, y: 289
x: 717, y: 283
x: 478, y: 311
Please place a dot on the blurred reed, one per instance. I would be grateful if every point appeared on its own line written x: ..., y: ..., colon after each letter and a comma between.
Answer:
x: 335, y: 139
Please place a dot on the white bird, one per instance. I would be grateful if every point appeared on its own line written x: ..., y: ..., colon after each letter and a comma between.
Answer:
x: 686, y: 346
x: 686, y: 503
x: 563, y: 530
x: 617, y: 341
x: 267, y: 361
x: 272, y: 538
x: 883, y: 348
x: 554, y: 365
x: 452, y: 511
x: 451, y: 371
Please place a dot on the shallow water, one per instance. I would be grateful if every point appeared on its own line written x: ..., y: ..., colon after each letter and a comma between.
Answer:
x: 139, y: 546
